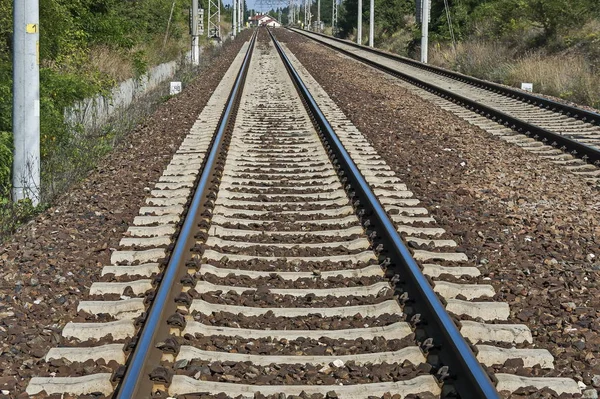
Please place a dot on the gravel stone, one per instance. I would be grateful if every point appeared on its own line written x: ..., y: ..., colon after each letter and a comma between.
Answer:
x: 527, y: 224
x: 78, y: 233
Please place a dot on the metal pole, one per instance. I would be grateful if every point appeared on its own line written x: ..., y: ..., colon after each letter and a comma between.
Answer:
x: 424, y: 30
x: 195, y: 39
x: 359, y: 26
x: 334, y: 17
x: 26, y: 101
x: 240, y: 15
x: 318, y: 15
x: 219, y: 18
x: 234, y: 10
x: 371, y: 23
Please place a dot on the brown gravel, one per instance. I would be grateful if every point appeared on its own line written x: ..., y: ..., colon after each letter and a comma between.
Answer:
x: 529, y: 225
x: 300, y: 374
x: 296, y: 251
x: 265, y: 299
x: 283, y: 265
x: 304, y: 238
x: 323, y: 346
x: 289, y: 223
x: 50, y: 262
x: 310, y: 322
x: 264, y: 283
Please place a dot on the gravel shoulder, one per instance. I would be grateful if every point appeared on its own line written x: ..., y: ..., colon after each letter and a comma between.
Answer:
x: 48, y: 263
x: 531, y: 227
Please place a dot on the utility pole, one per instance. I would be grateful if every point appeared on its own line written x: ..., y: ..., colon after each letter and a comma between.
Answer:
x: 318, y: 15
x: 234, y: 10
x: 195, y: 38
x: 424, y: 30
x: 371, y: 23
x: 359, y: 27
x: 26, y: 101
x: 334, y: 17
x: 307, y: 14
x: 240, y: 15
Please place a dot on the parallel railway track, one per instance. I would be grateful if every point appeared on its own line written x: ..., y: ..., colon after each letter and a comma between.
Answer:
x: 562, y: 133
x: 271, y: 260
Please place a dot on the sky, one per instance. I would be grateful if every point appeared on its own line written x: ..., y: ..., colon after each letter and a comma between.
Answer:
x: 267, y: 4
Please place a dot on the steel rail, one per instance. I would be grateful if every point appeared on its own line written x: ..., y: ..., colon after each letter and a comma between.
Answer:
x: 467, y: 375
x: 575, y: 148
x: 128, y: 387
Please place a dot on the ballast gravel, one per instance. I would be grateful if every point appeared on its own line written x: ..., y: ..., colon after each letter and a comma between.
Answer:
x: 309, y: 322
x: 48, y: 265
x: 531, y: 227
x: 304, y: 346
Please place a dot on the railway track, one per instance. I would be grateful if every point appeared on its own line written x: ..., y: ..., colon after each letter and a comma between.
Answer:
x: 271, y: 260
x: 563, y: 134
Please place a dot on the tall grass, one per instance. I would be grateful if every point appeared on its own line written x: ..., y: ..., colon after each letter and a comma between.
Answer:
x: 568, y: 75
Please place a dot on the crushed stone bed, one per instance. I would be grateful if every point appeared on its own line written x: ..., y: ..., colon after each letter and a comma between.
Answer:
x: 48, y: 265
x: 528, y: 225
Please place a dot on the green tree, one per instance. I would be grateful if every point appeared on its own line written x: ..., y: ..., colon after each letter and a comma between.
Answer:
x: 555, y: 16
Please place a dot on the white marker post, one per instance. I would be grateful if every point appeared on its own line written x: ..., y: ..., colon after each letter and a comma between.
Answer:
x: 371, y: 23
x: 424, y: 30
x: 195, y: 38
x: 26, y: 101
x: 175, y: 88
x: 359, y: 25
x: 527, y: 87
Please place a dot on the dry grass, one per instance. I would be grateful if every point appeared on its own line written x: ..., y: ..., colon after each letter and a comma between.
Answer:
x: 111, y: 63
x: 118, y: 65
x: 569, y: 76
x: 481, y: 59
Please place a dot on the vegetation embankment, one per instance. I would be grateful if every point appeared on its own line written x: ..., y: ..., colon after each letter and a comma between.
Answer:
x: 554, y: 44
x: 86, y: 47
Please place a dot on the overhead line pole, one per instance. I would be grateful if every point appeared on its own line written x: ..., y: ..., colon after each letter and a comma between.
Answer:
x: 424, y: 30
x: 359, y: 24
x: 234, y: 10
x: 319, y: 15
x: 195, y: 38
x: 240, y: 15
x: 26, y: 101
x: 371, y: 23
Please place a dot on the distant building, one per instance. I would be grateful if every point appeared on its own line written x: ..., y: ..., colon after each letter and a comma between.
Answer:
x: 263, y: 20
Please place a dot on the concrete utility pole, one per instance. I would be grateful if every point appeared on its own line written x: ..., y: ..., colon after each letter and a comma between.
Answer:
x: 26, y: 101
x: 241, y: 18
x: 234, y: 10
x: 424, y: 30
x: 359, y: 27
x: 319, y: 15
x: 195, y: 38
x: 371, y: 23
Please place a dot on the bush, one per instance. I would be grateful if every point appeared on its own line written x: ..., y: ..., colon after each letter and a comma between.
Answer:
x: 129, y: 34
